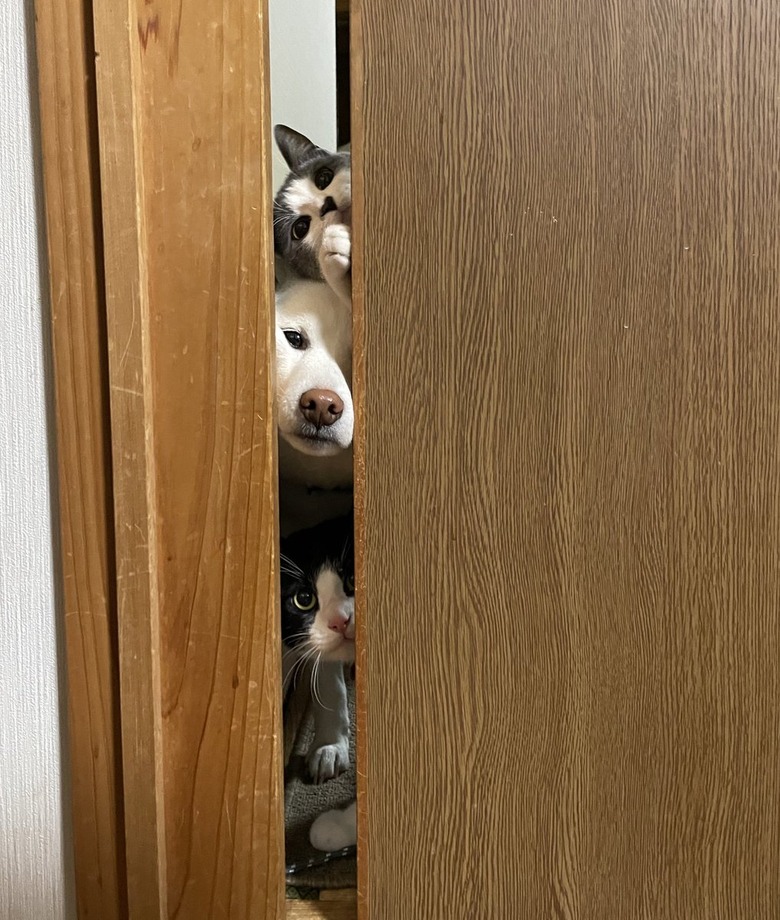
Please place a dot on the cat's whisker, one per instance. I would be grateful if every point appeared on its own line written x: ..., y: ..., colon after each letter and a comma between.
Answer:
x: 289, y: 566
x: 315, y: 680
x: 300, y: 665
x: 304, y: 650
x: 295, y: 650
x: 299, y: 635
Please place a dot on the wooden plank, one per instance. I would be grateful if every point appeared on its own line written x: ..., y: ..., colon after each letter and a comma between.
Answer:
x: 185, y: 145
x: 321, y: 910
x: 120, y: 88
x: 70, y: 172
x: 570, y: 575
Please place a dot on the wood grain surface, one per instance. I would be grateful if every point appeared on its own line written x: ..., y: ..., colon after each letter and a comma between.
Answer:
x: 184, y: 121
x: 568, y: 339
x: 70, y: 171
x: 321, y: 910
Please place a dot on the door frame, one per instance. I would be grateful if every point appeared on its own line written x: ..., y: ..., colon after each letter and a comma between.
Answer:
x: 100, y: 67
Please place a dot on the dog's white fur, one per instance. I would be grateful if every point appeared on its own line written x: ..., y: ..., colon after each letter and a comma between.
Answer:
x: 312, y: 309
x: 323, y: 318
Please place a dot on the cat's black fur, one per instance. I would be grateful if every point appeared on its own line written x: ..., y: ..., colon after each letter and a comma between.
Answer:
x: 303, y: 557
x: 307, y: 161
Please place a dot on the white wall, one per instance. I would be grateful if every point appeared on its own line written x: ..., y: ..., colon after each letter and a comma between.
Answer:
x: 34, y: 881
x: 303, y: 71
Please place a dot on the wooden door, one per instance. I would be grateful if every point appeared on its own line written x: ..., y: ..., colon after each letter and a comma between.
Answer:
x: 568, y: 337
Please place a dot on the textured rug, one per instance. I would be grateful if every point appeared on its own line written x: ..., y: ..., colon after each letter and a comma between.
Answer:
x: 303, y: 801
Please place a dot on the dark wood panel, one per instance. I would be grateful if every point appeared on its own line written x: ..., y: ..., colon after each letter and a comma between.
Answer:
x: 570, y: 411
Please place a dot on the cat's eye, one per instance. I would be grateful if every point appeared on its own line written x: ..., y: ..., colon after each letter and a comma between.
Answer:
x: 296, y: 339
x: 300, y: 228
x: 349, y: 585
x: 323, y: 178
x: 305, y: 601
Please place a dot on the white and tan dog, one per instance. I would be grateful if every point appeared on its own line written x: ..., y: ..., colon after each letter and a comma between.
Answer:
x: 315, y: 418
x: 313, y: 404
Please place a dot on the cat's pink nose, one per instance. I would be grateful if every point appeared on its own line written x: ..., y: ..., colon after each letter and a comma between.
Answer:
x: 339, y: 623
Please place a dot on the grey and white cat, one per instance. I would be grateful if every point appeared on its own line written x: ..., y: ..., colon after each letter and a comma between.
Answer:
x: 313, y: 214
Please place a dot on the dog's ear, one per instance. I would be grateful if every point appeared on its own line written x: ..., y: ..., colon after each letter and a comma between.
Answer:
x: 294, y: 146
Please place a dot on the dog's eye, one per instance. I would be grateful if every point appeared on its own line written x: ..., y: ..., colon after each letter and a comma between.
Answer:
x: 349, y: 585
x: 295, y: 339
x: 323, y: 178
x: 300, y: 228
x: 305, y: 601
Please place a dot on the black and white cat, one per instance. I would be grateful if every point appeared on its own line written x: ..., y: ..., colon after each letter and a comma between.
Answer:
x: 318, y: 630
x: 313, y: 213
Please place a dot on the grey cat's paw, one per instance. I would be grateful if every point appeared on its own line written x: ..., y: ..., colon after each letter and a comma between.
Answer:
x: 336, y: 256
x: 329, y: 761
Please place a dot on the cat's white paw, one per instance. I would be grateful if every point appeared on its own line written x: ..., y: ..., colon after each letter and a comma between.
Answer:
x: 329, y: 761
x: 337, y: 245
x: 336, y: 254
x: 335, y: 829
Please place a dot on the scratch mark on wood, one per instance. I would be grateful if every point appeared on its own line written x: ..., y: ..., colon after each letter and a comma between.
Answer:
x: 149, y: 30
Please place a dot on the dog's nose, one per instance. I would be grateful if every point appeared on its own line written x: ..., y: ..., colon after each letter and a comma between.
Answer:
x: 321, y: 407
x: 328, y: 205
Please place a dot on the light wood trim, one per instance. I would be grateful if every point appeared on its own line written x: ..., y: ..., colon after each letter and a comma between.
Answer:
x: 70, y: 173
x: 321, y: 910
x: 120, y: 86
x: 185, y: 152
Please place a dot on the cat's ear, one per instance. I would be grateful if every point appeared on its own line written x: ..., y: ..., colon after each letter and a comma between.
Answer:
x: 293, y: 145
